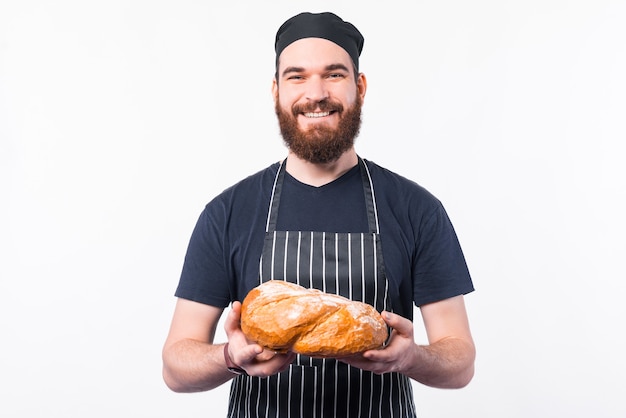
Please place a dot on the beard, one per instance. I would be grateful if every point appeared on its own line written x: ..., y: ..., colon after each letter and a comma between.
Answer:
x: 320, y: 144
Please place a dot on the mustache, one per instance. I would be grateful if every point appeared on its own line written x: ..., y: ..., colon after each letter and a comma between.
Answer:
x: 321, y: 106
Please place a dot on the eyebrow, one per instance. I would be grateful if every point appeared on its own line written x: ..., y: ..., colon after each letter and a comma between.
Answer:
x: 331, y: 67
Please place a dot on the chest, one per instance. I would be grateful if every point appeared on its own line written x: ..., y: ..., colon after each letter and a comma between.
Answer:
x: 337, y: 207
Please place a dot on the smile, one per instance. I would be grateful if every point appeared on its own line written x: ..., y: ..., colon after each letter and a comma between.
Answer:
x: 316, y: 114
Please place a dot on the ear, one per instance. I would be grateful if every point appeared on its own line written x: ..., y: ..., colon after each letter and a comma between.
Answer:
x: 275, y: 89
x: 361, y: 85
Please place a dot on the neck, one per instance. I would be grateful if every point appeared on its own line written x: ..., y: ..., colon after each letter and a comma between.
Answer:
x: 320, y: 174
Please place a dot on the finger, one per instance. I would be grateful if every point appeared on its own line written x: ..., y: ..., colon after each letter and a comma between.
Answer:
x: 402, y: 325
x: 246, y: 355
x: 236, y: 307
x: 284, y: 360
x: 232, y: 322
x: 278, y: 363
x: 354, y: 361
x: 266, y: 355
x: 377, y: 355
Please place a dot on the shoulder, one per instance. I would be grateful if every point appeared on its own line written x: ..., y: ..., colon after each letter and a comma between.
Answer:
x: 247, y: 191
x: 398, y: 191
x: 260, y: 178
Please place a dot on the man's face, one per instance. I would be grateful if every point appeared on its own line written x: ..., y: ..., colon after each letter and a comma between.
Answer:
x: 318, y: 100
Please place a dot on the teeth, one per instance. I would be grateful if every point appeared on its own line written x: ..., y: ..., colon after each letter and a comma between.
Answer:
x: 316, y: 115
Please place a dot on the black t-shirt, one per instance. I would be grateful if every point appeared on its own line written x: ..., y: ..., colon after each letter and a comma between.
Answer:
x: 422, y: 256
x: 338, y: 206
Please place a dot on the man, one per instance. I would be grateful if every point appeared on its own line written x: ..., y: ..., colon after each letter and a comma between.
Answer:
x: 292, y: 221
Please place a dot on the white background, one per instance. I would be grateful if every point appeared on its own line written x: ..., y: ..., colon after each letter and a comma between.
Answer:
x: 119, y: 120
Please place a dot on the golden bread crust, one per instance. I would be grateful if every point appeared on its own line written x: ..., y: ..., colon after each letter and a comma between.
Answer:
x: 283, y: 316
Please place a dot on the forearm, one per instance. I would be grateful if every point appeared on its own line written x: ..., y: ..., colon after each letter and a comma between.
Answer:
x: 194, y: 366
x: 448, y: 363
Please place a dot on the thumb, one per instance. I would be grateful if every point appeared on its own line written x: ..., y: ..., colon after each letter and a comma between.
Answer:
x: 399, y: 323
x: 233, y: 318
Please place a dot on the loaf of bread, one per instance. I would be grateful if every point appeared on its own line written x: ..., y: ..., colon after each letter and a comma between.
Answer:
x: 282, y: 316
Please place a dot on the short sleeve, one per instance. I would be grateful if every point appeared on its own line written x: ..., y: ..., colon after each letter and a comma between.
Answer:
x: 440, y: 269
x: 204, y: 278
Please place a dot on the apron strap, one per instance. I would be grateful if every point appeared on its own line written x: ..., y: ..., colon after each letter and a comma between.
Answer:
x: 370, y: 199
x: 272, y: 215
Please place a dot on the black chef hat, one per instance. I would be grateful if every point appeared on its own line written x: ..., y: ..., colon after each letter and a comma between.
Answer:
x: 320, y: 25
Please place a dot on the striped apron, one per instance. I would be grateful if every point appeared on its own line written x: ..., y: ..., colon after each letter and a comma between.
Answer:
x: 347, y: 264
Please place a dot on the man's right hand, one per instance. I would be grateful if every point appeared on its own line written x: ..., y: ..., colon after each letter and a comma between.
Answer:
x: 251, y: 357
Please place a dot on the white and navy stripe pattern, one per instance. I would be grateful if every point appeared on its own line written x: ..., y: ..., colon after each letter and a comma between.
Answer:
x: 332, y: 391
x: 347, y: 264
x: 325, y: 261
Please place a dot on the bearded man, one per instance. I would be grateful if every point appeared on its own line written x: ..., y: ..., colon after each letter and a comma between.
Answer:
x: 323, y: 218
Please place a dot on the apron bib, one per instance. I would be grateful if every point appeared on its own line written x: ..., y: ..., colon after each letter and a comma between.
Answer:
x: 346, y: 264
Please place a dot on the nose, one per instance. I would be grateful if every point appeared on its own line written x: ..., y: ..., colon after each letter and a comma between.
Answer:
x: 316, y: 90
